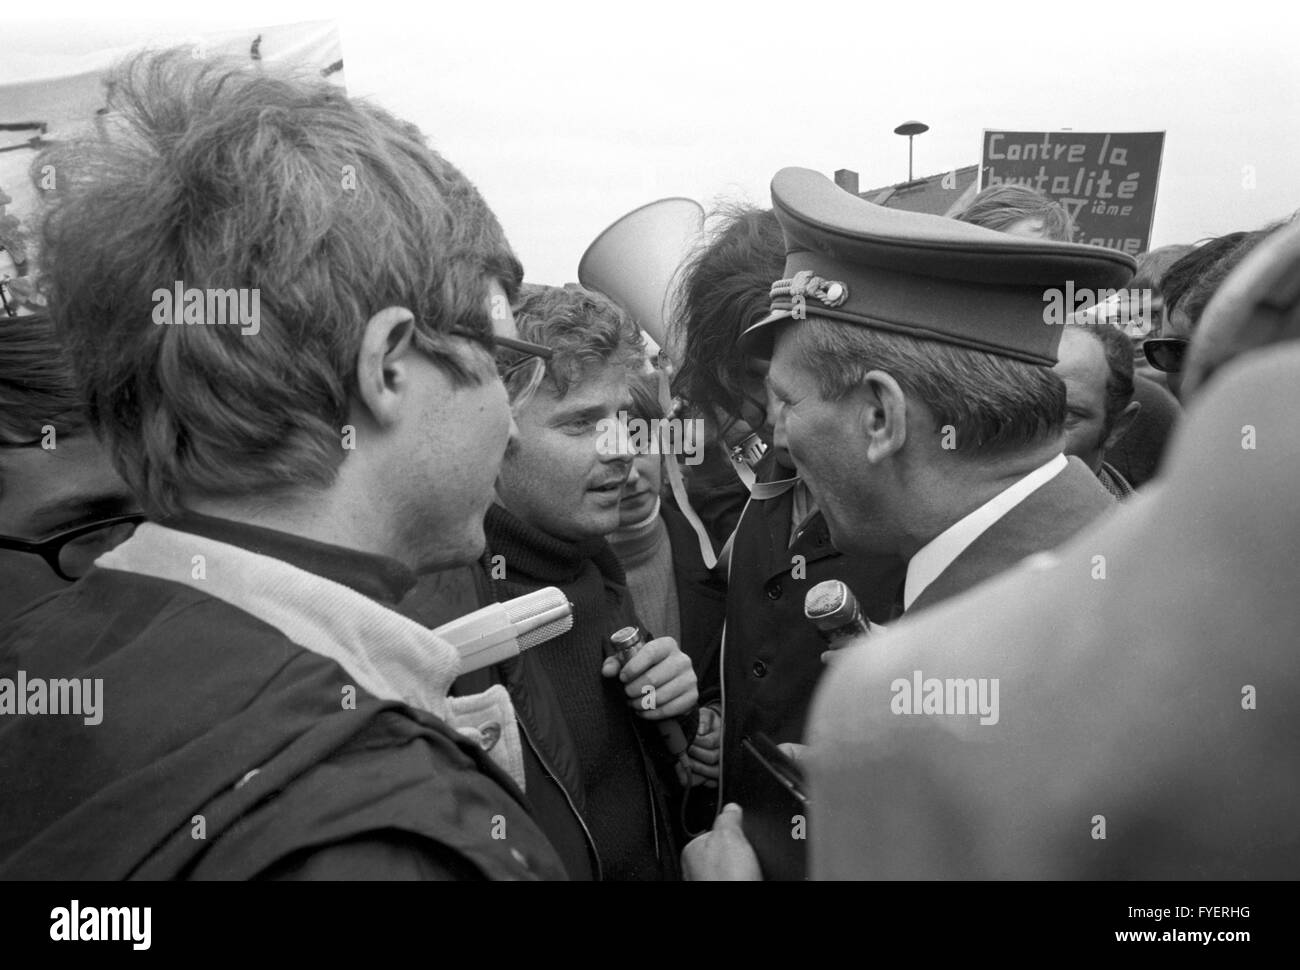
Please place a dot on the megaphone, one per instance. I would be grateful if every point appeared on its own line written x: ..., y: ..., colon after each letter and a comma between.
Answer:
x: 635, y: 262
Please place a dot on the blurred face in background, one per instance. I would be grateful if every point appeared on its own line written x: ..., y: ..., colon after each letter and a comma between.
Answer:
x: 641, y: 492
x: 1082, y: 367
x: 44, y: 492
x: 1031, y: 227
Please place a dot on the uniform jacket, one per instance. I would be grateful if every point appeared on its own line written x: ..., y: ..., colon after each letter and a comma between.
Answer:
x: 1134, y: 739
x: 1047, y: 517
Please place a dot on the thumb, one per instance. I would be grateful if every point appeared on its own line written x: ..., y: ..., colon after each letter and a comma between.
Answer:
x: 610, y: 667
x: 729, y: 818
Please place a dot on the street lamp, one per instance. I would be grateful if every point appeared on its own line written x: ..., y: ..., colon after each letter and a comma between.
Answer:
x: 910, y: 128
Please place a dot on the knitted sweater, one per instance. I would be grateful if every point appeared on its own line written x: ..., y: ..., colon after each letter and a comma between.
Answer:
x: 596, y: 709
x: 647, y: 558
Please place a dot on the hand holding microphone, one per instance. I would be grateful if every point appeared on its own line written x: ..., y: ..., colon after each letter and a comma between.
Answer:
x: 659, y: 681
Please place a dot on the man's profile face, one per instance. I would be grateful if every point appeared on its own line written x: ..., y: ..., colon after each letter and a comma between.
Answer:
x: 641, y: 490
x: 464, y: 432
x: 567, y: 474
x: 47, y: 491
x: 1082, y: 367
x: 822, y: 440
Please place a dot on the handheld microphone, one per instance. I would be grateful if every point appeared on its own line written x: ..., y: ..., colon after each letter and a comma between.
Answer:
x: 503, y: 630
x: 624, y: 644
x: 834, y: 609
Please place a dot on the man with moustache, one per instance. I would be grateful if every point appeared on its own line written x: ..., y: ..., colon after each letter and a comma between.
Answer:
x: 266, y: 712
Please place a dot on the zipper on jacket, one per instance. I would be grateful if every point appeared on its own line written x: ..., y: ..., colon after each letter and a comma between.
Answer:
x: 648, y: 772
x: 595, y: 853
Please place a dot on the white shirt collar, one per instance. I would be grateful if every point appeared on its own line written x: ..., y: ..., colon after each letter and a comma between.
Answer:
x: 940, y: 552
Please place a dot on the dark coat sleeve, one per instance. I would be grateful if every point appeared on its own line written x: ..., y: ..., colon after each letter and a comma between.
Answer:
x: 394, y: 856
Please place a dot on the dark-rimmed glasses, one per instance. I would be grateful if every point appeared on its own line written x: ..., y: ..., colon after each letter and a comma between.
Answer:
x: 521, y: 364
x: 72, y: 552
x: 1165, y: 353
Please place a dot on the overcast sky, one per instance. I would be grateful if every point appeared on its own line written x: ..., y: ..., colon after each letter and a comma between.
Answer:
x: 567, y: 114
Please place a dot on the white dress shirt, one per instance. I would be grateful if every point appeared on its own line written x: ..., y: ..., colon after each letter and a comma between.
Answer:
x: 938, y: 554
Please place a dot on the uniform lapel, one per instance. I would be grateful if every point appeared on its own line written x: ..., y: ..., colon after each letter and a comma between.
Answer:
x: 1048, y: 517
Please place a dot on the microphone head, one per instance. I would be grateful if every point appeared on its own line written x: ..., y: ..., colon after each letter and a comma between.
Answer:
x: 539, y: 616
x: 830, y: 604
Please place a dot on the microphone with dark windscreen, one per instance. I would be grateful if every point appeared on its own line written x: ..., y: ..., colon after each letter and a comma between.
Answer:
x: 834, y: 609
x: 500, y: 631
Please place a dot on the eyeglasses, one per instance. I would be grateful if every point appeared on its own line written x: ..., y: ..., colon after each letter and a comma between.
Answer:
x: 71, y: 553
x: 521, y: 364
x: 1166, y: 353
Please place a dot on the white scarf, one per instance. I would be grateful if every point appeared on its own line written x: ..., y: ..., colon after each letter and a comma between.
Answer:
x: 391, y: 657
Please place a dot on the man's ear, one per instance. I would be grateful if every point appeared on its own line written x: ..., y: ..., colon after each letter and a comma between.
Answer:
x: 1121, y: 426
x: 882, y: 416
x: 383, y: 363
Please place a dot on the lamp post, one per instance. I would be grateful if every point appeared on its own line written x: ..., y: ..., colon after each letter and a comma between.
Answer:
x: 910, y: 129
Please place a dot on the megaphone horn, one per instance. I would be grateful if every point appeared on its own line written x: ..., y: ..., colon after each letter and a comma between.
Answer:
x: 636, y: 260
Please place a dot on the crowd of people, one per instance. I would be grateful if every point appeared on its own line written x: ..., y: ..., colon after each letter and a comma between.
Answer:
x: 226, y: 550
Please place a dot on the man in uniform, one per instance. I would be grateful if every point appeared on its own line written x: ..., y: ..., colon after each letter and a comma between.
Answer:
x: 1147, y: 727
x: 911, y: 376
x: 1136, y: 748
x: 912, y: 387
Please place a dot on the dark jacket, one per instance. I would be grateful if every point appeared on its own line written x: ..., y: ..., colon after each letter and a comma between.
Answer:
x: 771, y: 659
x: 211, y: 712
x: 1048, y: 517
x: 556, y: 786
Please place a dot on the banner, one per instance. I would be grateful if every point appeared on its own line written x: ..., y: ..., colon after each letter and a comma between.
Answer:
x: 1106, y: 180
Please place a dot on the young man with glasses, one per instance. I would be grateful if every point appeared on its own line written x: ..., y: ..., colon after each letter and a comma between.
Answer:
x: 266, y: 713
x: 61, y: 502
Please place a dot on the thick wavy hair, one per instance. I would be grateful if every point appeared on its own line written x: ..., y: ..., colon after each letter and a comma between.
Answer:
x: 37, y: 387
x: 218, y: 175
x: 726, y: 286
x: 582, y: 329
